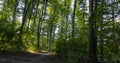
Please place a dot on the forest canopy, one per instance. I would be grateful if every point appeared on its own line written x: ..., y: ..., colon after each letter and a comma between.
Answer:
x: 76, y: 30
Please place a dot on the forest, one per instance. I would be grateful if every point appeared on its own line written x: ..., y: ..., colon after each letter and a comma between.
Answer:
x: 72, y: 31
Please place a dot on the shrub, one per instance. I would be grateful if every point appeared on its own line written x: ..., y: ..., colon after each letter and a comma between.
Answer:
x: 73, y: 50
x: 61, y: 48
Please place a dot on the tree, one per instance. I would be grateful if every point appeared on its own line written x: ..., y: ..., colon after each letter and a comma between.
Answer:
x: 73, y: 19
x: 92, y: 37
x: 65, y: 23
x: 40, y: 23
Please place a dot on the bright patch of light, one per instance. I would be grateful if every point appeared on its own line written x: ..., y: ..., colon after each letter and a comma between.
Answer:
x: 63, y: 0
x: 118, y: 20
x: 0, y: 5
x: 19, y: 19
x: 56, y: 31
x: 72, y: 4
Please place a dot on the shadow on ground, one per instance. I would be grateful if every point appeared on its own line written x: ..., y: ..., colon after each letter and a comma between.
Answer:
x: 44, y: 57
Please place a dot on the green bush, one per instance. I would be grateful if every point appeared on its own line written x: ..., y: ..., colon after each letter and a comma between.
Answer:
x: 61, y: 48
x: 73, y: 50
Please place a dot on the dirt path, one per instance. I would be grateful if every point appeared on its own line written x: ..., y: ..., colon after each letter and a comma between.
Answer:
x: 45, y: 57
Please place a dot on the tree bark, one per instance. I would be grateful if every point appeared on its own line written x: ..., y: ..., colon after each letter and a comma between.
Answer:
x: 67, y: 14
x: 26, y: 8
x: 101, y: 39
x: 42, y: 17
x: 73, y: 19
x: 92, y: 38
x: 35, y: 15
x: 14, y: 12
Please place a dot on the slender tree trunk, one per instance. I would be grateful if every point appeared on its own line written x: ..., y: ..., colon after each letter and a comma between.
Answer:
x: 73, y: 19
x: 43, y: 38
x: 23, y: 23
x: 67, y: 14
x: 47, y: 35
x: 101, y: 43
x: 50, y: 44
x: 101, y: 38
x: 26, y: 9
x: 42, y: 17
x: 113, y: 24
x: 83, y: 19
x: 24, y: 16
x: 54, y: 28
x: 39, y: 30
x: 35, y: 15
x: 14, y: 12
x: 28, y: 25
x: 51, y: 33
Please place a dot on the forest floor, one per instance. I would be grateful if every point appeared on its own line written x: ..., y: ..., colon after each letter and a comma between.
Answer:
x: 43, y: 57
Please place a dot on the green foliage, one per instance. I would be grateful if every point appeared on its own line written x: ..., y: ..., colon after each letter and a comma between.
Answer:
x: 74, y: 50
x: 62, y: 48
x: 7, y: 35
x: 55, y: 22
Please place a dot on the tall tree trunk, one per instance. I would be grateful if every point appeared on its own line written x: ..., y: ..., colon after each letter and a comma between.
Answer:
x: 35, y: 15
x: 28, y: 24
x: 47, y: 36
x: 67, y: 14
x: 113, y: 24
x: 14, y: 12
x: 42, y: 17
x: 53, y: 38
x: 92, y: 38
x: 39, y: 28
x: 24, y: 16
x: 101, y: 41
x: 23, y: 23
x: 43, y: 39
x: 51, y: 33
x: 73, y: 19
x: 101, y: 38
